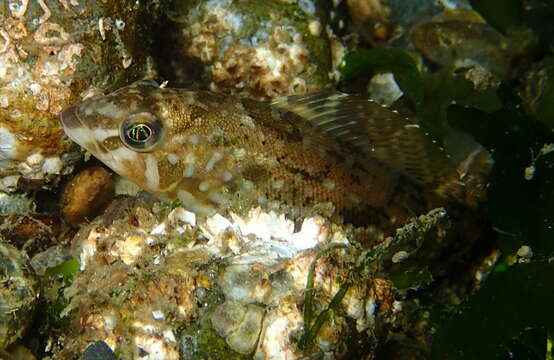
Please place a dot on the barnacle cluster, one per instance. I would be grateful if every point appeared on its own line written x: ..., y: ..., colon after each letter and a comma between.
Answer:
x: 170, y: 279
x: 260, y: 49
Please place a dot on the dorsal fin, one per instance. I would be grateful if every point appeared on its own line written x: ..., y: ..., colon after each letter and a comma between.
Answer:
x: 391, y: 138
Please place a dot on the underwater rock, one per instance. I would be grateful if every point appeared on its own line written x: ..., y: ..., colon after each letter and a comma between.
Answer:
x: 159, y: 282
x: 259, y: 49
x: 99, y: 351
x: 461, y: 40
x: 49, y: 258
x: 538, y: 91
x: 86, y: 194
x: 152, y: 276
x: 15, y: 203
x: 20, y: 352
x: 18, y: 294
x: 382, y: 21
x: 50, y: 54
x: 32, y: 232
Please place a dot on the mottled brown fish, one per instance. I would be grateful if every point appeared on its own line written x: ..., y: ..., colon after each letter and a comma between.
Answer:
x: 215, y: 151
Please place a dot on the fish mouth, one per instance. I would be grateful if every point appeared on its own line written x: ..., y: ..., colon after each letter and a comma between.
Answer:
x: 78, y: 131
x: 70, y: 118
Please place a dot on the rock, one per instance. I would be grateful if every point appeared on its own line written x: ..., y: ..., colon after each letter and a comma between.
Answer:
x: 18, y: 294
x: 20, y: 352
x: 157, y: 282
x: 99, y: 351
x: 389, y: 21
x: 461, y: 40
x: 259, y: 49
x: 86, y: 194
x: 32, y: 232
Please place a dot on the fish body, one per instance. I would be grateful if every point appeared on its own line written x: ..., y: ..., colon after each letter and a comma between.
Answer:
x: 214, y: 152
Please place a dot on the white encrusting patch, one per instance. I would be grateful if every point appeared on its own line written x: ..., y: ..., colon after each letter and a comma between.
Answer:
x: 217, y: 197
x: 278, y: 183
x: 186, y: 197
x: 204, y: 186
x: 216, y: 157
x: 227, y: 176
x: 189, y: 170
x: 102, y: 134
x: 191, y: 204
x: 120, y: 155
x: 248, y: 121
x: 111, y: 110
x: 239, y: 153
x: 152, y: 175
x: 179, y: 139
x: 172, y: 158
x: 82, y: 136
x: 194, y: 139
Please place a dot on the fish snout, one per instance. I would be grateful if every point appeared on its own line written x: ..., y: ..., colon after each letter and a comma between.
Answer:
x: 69, y: 118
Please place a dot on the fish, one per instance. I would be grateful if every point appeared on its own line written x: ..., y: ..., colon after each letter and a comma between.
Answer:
x: 215, y: 152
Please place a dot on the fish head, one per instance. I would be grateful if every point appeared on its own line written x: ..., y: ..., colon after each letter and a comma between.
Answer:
x: 138, y: 132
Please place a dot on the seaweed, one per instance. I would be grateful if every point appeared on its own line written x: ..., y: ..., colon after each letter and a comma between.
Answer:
x: 510, y: 116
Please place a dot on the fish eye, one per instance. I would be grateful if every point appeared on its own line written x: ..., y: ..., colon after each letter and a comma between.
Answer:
x: 141, y: 132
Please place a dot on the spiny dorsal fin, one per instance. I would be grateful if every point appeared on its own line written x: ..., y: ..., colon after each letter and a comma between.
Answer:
x: 389, y: 137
